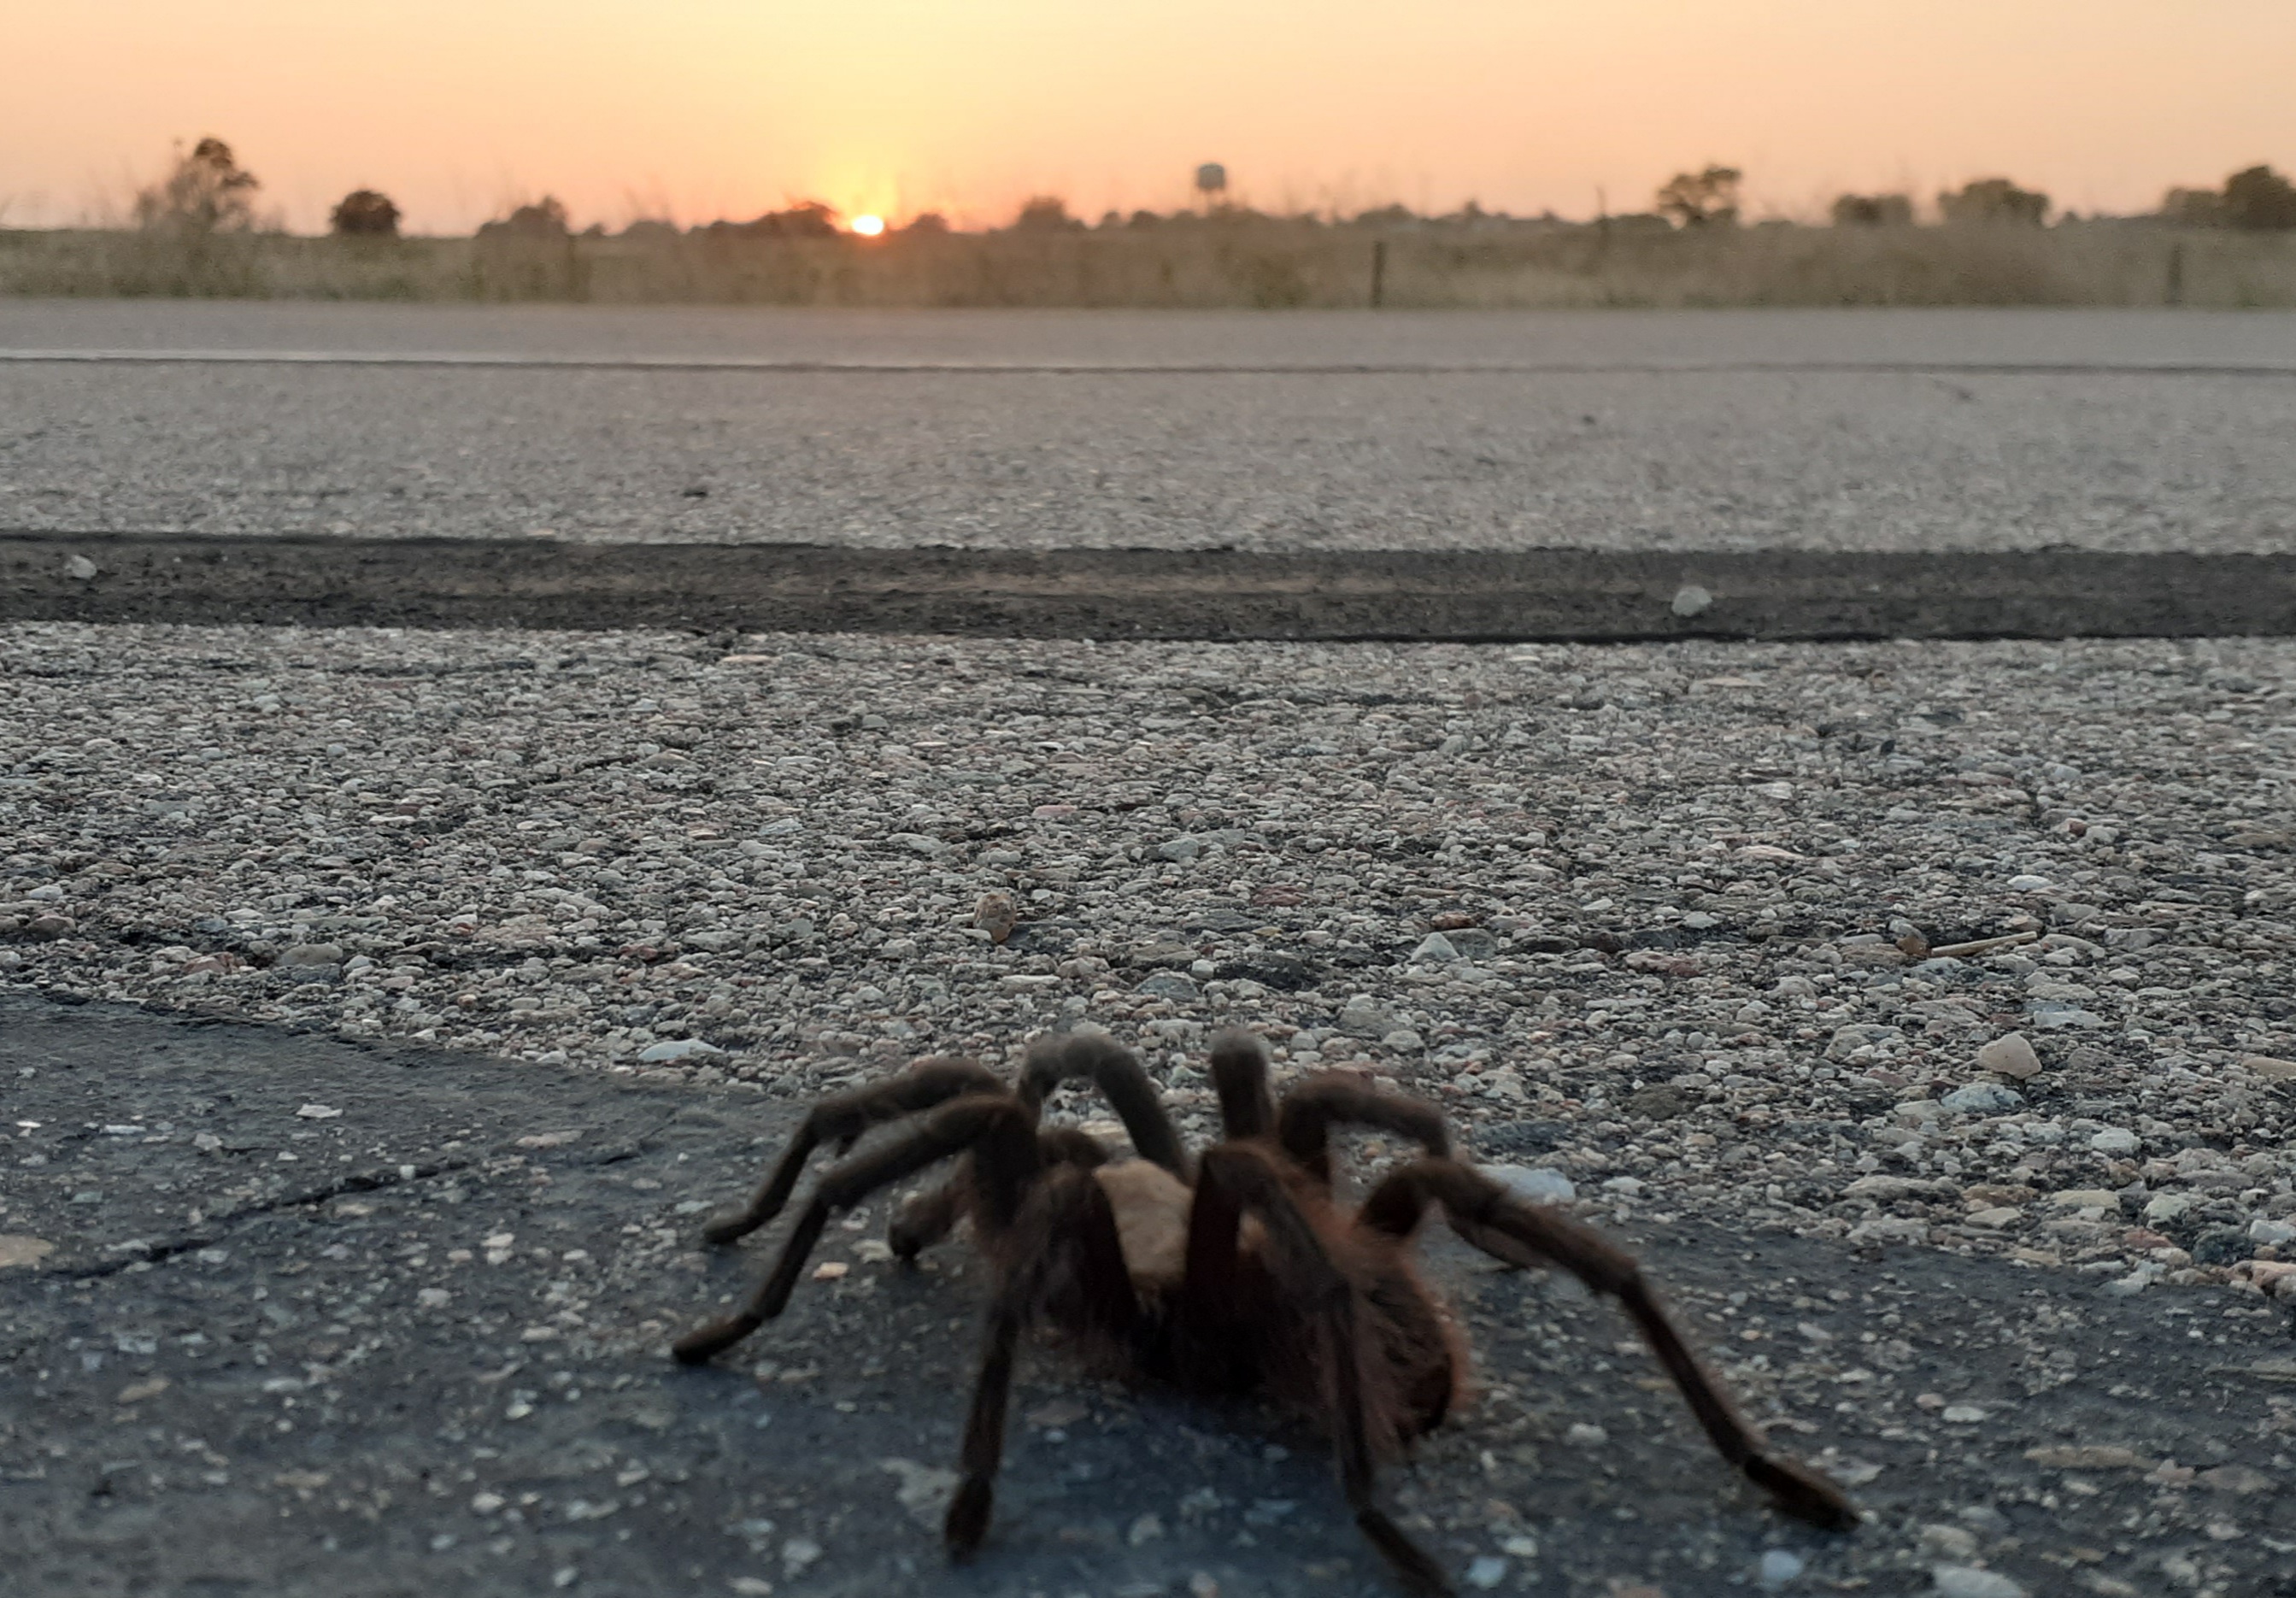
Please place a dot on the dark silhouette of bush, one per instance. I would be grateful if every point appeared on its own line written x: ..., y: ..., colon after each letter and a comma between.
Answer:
x: 1707, y: 199
x: 1387, y: 216
x: 2192, y: 208
x: 1873, y: 210
x: 206, y: 192
x: 927, y: 222
x: 2260, y: 200
x: 365, y: 214
x: 807, y: 219
x: 1045, y: 213
x: 650, y: 229
x: 546, y: 218
x: 1995, y: 201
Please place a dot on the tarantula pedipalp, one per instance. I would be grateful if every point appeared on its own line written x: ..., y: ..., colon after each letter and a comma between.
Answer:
x: 1234, y: 1271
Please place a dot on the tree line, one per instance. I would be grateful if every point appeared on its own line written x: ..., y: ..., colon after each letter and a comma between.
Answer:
x: 206, y: 190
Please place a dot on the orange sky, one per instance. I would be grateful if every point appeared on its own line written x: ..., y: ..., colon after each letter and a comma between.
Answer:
x: 706, y: 108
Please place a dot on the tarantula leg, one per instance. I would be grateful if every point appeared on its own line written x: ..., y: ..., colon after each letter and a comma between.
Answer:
x: 991, y: 1121
x: 925, y: 1219
x: 1066, y: 1233
x: 1239, y: 1077
x: 1487, y: 1215
x: 1116, y: 1071
x: 1322, y: 1296
x: 841, y: 1119
x: 1303, y: 1126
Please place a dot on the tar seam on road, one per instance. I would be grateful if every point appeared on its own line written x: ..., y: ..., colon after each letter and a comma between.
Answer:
x: 487, y: 361
x: 1377, y: 595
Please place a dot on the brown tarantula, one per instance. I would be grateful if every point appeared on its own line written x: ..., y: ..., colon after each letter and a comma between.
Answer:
x: 1233, y: 1271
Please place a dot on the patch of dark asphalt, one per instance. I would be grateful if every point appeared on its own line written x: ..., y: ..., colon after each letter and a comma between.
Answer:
x: 324, y: 1318
x: 1561, y: 594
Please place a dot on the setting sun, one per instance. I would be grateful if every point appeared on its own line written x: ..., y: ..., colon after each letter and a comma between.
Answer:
x: 868, y: 227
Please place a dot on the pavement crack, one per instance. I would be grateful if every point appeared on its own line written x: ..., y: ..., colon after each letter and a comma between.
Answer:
x: 139, y: 1252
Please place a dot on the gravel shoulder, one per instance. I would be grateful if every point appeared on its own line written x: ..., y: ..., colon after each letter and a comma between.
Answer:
x: 1674, y: 925
x: 341, y: 1318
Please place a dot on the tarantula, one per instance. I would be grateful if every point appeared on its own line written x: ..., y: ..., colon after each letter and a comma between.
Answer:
x: 1232, y: 1271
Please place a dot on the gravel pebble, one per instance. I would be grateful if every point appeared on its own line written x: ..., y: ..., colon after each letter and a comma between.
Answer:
x: 2011, y: 1055
x: 1692, y: 893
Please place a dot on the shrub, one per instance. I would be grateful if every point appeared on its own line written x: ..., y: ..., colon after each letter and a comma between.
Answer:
x: 807, y: 219
x: 1995, y: 201
x: 1873, y: 210
x: 1707, y: 199
x: 2192, y: 208
x: 546, y: 218
x: 206, y: 192
x: 1045, y: 213
x: 364, y: 213
x: 2259, y: 199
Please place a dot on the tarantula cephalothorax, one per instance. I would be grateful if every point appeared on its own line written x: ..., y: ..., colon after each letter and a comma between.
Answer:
x: 1232, y: 1271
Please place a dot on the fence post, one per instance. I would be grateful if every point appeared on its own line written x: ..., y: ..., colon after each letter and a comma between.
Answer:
x: 2176, y: 289
x: 1378, y: 273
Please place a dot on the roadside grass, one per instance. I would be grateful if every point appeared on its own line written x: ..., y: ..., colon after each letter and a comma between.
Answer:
x: 1261, y: 264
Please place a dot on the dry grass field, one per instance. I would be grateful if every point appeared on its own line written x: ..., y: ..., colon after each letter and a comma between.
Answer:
x: 1265, y: 264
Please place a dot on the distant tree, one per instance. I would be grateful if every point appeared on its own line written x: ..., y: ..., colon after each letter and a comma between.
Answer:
x: 1707, y: 199
x: 546, y: 218
x: 927, y: 222
x: 1045, y: 213
x: 1143, y: 219
x: 364, y: 213
x: 650, y: 229
x: 1387, y: 216
x: 1995, y: 201
x: 205, y: 192
x: 1873, y: 210
x: 2259, y: 199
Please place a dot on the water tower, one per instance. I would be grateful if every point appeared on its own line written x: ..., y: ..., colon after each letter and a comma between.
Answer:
x: 1211, y: 182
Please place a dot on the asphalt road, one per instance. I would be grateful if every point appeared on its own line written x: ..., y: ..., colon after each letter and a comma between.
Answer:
x: 1909, y: 432
x: 1603, y: 595
x: 290, y: 1315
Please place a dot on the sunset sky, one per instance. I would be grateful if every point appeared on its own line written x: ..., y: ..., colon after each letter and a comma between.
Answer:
x: 697, y: 109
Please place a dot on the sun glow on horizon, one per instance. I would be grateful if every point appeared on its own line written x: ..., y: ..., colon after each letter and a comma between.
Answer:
x: 868, y: 227
x: 898, y: 109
